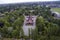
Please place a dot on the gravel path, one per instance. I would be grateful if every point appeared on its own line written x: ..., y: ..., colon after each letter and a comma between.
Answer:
x: 27, y: 27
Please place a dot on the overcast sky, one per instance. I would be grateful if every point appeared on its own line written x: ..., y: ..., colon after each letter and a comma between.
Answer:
x: 20, y: 1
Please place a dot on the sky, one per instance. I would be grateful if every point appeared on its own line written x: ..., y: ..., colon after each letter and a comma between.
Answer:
x: 20, y: 1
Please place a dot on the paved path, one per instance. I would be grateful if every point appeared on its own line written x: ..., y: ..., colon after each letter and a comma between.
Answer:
x: 26, y: 27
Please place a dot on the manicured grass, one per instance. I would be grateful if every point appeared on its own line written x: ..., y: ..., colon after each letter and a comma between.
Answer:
x: 56, y: 9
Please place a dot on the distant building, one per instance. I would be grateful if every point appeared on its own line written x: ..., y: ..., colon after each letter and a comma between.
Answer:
x: 56, y: 14
x: 2, y: 15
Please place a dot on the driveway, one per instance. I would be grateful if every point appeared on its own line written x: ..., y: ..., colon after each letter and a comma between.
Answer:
x: 27, y: 27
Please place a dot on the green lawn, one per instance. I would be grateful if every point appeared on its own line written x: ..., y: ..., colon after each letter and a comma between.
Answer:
x: 56, y: 9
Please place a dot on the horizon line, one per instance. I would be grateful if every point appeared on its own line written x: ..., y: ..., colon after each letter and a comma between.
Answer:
x: 28, y: 2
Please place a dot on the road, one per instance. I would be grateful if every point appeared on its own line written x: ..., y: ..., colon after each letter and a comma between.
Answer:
x: 27, y: 27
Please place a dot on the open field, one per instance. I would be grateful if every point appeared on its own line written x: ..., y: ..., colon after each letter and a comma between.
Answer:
x: 56, y: 9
